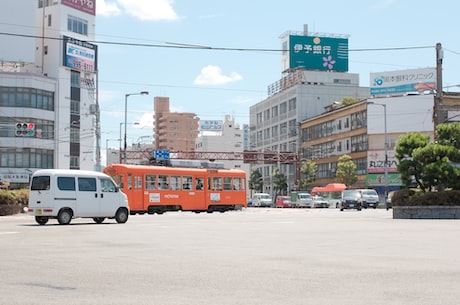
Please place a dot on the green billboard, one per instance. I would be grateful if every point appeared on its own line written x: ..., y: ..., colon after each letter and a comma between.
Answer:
x: 318, y: 53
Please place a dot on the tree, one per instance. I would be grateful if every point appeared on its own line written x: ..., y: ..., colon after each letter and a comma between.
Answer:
x: 256, y: 181
x: 431, y: 165
x: 408, y: 167
x: 346, y: 170
x: 308, y: 171
x: 279, y: 182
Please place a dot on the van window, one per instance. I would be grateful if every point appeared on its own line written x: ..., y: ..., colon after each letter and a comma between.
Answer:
x: 107, y: 185
x: 87, y: 184
x: 66, y: 183
x: 40, y: 183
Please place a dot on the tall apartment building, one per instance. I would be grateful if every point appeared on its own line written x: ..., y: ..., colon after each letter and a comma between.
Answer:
x: 54, y: 95
x: 174, y: 130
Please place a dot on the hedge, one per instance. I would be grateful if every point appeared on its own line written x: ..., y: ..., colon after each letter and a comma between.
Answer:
x: 411, y: 197
x: 13, y: 202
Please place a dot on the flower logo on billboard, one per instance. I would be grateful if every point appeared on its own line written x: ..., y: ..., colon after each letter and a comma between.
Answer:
x: 328, y: 62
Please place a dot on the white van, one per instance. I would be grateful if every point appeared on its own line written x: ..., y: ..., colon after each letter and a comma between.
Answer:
x: 65, y: 194
x: 262, y: 200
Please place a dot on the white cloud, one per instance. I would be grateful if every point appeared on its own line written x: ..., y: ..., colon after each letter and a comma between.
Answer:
x: 154, y: 10
x: 107, y: 9
x: 146, y: 121
x: 212, y: 75
x: 149, y: 9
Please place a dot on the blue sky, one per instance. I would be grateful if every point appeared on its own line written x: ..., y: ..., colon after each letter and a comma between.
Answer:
x: 212, y: 83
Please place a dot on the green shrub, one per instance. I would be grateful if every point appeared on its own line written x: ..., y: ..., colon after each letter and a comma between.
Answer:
x: 410, y: 197
x: 13, y: 202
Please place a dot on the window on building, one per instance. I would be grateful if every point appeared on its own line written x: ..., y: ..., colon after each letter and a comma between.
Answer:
x: 283, y: 108
x: 274, y: 111
x: 77, y: 25
x: 292, y: 104
x: 266, y: 114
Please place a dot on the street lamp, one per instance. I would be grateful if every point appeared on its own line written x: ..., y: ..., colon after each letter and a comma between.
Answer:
x: 126, y: 118
x: 121, y: 150
x: 385, y: 144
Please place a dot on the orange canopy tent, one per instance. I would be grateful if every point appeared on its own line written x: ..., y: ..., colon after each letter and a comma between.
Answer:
x: 331, y: 187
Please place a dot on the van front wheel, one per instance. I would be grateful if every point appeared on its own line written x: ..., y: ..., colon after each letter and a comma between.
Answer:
x: 64, y: 217
x: 121, y: 216
x: 41, y: 220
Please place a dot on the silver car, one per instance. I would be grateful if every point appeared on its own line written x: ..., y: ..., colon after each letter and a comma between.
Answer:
x: 370, y: 198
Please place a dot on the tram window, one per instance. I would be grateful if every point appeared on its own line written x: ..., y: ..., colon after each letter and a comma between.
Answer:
x: 186, y: 182
x: 130, y: 182
x: 174, y: 183
x: 163, y: 182
x: 150, y: 182
x: 228, y: 183
x: 237, y: 183
x: 216, y: 183
x: 137, y: 182
x: 199, y: 183
x: 120, y: 181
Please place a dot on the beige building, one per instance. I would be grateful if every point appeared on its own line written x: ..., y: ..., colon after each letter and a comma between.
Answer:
x: 360, y: 130
x: 174, y: 130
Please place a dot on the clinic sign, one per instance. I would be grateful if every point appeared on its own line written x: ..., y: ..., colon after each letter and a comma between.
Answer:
x: 318, y: 53
x: 85, y: 6
x: 402, y: 82
x: 79, y: 55
x: 211, y: 125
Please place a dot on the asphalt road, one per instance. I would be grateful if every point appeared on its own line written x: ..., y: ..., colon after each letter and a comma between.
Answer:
x: 254, y: 256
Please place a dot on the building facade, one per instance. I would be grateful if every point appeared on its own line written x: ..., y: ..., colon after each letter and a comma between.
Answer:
x: 360, y: 130
x: 55, y: 95
x: 174, y: 130
x: 275, y: 121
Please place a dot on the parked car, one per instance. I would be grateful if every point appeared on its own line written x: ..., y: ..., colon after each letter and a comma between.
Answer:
x: 283, y: 202
x: 388, y: 200
x: 319, y: 202
x: 304, y: 200
x: 370, y: 198
x: 261, y: 200
x: 351, y: 199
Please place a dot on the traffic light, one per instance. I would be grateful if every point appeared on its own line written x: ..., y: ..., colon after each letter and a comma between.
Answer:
x: 25, y: 129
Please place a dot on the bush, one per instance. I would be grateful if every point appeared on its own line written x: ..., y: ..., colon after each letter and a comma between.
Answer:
x: 13, y: 202
x: 410, y: 197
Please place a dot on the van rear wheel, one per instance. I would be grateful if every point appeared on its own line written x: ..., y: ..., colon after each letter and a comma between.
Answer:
x: 121, y: 216
x: 41, y: 220
x: 98, y: 219
x: 64, y: 217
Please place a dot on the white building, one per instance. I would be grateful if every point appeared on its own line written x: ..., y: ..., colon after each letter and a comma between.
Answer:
x: 223, y: 136
x: 274, y: 122
x: 55, y: 92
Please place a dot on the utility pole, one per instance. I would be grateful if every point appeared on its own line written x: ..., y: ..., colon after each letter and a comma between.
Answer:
x: 438, y: 115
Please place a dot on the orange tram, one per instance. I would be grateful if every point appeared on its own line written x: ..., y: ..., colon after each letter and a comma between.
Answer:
x: 158, y: 189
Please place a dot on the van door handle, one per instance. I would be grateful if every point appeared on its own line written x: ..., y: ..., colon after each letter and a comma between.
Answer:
x: 95, y: 195
x: 102, y: 195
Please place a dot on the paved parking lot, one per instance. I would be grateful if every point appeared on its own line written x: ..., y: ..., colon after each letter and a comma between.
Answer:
x: 254, y: 256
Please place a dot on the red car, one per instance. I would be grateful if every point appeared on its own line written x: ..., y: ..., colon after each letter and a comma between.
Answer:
x: 283, y: 202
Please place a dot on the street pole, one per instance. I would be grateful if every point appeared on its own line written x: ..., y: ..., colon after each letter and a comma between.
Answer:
x: 386, y: 149
x: 126, y: 119
x: 385, y: 135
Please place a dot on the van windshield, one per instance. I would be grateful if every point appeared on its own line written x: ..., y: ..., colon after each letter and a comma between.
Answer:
x: 40, y: 183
